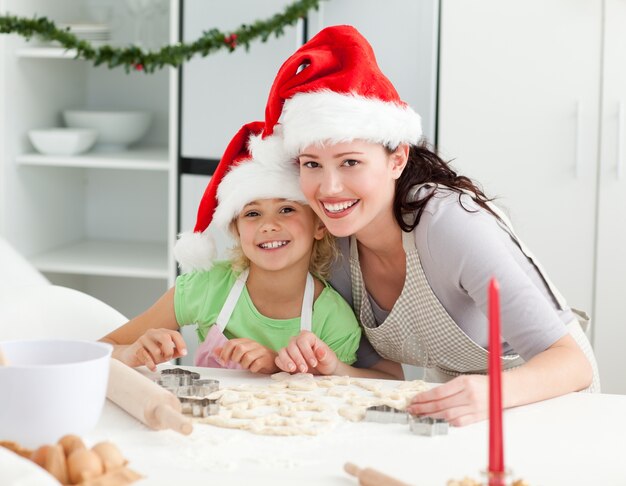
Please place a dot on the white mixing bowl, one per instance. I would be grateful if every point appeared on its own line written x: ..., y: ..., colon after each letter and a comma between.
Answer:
x: 51, y: 388
x: 116, y: 129
x: 63, y: 141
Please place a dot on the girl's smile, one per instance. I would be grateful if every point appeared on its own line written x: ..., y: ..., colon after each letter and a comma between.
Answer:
x: 273, y: 245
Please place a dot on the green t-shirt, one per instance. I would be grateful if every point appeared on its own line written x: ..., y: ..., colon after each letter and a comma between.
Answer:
x: 200, y: 296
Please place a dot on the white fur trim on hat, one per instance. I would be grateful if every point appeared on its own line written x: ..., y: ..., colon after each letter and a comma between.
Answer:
x: 195, y: 251
x: 328, y: 116
x: 250, y: 181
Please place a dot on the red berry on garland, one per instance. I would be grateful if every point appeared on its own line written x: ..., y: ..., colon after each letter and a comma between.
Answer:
x: 231, y: 40
x: 138, y: 67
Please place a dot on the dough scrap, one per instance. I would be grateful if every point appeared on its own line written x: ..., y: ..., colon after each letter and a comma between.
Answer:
x: 281, y: 376
x: 353, y: 414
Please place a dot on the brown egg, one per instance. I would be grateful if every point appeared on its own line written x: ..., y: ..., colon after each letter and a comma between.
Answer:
x: 56, y: 463
x: 111, y: 456
x: 83, y: 464
x: 70, y: 443
x: 40, y: 455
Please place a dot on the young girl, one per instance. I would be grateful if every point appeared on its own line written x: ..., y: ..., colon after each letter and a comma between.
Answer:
x: 246, y: 309
x: 419, y: 243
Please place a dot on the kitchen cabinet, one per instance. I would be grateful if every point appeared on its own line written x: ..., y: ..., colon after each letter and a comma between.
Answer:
x: 103, y: 223
x: 529, y: 105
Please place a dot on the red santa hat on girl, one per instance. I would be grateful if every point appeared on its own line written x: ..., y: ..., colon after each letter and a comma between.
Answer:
x: 332, y: 90
x: 240, y: 178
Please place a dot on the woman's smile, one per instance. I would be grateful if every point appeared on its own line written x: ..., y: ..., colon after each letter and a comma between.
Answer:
x: 338, y: 209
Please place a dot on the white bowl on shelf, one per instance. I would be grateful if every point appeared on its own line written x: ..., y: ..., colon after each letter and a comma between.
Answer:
x: 116, y: 129
x: 63, y: 141
x: 53, y: 388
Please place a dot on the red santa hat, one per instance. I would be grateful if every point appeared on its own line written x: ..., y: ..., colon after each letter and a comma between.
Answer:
x: 332, y: 90
x: 243, y: 175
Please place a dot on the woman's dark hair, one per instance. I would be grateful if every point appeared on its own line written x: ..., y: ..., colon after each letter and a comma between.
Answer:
x: 424, y: 165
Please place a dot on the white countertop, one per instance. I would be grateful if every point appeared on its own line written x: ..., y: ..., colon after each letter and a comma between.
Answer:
x: 577, y: 439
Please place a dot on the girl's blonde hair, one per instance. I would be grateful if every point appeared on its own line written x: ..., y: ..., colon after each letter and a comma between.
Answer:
x: 323, y: 254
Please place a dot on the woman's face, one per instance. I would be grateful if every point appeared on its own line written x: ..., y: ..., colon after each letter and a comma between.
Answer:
x: 350, y: 185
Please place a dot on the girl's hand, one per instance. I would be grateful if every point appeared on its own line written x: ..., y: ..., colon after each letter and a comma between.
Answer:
x: 249, y: 354
x: 461, y: 401
x: 153, y: 347
x: 307, y: 351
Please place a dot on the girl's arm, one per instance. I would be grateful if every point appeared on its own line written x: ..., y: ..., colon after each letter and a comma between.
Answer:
x: 385, y: 369
x: 560, y: 369
x: 308, y: 353
x: 150, y: 338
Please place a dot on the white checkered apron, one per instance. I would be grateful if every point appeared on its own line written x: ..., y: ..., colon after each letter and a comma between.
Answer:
x: 420, y: 332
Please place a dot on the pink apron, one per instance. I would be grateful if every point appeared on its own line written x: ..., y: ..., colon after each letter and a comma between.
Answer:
x: 215, y: 338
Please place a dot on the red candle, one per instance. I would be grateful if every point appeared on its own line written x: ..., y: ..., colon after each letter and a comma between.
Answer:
x: 496, y: 447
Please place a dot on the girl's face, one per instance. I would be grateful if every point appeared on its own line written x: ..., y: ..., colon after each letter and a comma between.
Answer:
x: 350, y: 185
x: 276, y: 233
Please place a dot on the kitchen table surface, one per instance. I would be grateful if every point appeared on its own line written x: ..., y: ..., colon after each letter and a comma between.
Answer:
x: 576, y: 439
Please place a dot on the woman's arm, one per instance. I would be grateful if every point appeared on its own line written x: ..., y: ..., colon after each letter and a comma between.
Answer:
x: 560, y: 369
x: 150, y: 338
x: 555, y: 364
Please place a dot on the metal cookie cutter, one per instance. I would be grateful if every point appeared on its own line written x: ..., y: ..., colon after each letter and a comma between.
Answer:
x: 205, y: 386
x: 203, y: 407
x: 184, y: 377
x: 195, y: 400
x: 427, y: 425
x: 185, y: 395
x: 386, y: 415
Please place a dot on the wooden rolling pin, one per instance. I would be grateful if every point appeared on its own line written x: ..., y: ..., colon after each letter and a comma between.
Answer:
x: 371, y: 477
x: 145, y: 400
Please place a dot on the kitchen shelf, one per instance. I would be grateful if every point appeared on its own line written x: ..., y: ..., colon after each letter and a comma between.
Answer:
x: 106, y: 257
x: 100, y: 222
x: 153, y: 158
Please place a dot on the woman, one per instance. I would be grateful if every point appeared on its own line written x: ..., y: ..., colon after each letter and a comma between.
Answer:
x: 420, y: 243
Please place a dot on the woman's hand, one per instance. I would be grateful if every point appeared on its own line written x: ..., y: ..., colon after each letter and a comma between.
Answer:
x: 461, y: 401
x: 306, y: 351
x: 153, y: 347
x: 249, y: 354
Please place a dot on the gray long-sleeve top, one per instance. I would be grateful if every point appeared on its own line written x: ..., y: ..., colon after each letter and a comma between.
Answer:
x: 460, y: 252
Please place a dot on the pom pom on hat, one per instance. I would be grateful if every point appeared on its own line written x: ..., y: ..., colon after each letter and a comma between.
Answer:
x: 332, y: 90
x: 195, y: 251
x: 240, y: 178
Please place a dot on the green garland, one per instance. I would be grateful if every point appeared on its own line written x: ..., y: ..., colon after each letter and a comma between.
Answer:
x: 134, y: 57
